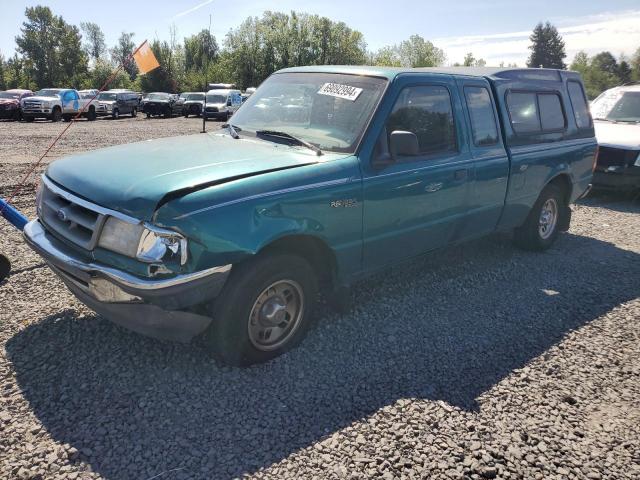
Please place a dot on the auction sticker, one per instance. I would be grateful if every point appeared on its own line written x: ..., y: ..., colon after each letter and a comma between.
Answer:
x: 341, y: 91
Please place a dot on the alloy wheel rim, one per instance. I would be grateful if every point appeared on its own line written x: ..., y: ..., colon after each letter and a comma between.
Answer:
x: 275, y: 315
x: 548, y: 218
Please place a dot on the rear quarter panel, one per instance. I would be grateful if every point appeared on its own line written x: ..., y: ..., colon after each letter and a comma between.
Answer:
x: 536, y: 159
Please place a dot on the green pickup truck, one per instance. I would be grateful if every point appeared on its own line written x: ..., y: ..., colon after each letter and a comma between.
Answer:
x: 323, y: 176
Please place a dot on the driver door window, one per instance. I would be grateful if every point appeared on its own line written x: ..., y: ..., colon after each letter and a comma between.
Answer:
x: 425, y: 111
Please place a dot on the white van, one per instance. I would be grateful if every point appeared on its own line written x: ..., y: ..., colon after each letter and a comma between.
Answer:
x: 222, y: 103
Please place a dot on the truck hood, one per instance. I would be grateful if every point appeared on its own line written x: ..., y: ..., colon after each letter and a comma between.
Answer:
x: 136, y: 178
x: 621, y: 135
x: 43, y: 99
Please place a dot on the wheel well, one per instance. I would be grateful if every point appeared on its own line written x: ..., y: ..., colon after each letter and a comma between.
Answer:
x: 313, y: 250
x: 563, y: 182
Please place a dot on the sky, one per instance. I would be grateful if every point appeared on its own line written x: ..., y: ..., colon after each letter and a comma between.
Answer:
x: 496, y: 30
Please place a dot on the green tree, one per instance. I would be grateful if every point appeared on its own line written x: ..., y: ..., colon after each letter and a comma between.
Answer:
x: 3, y: 80
x: 418, y: 52
x: 121, y: 54
x: 94, y: 46
x: 547, y: 47
x: 624, y: 71
x: 413, y: 52
x: 635, y: 65
x: 16, y: 75
x: 102, y: 71
x: 200, y: 50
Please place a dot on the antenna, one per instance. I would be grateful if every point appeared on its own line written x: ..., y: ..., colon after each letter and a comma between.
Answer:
x: 206, y: 72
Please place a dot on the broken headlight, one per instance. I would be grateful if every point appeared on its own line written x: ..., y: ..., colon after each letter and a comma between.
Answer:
x: 143, y: 241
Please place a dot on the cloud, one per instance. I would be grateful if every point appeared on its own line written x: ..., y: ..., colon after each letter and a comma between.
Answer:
x: 617, y: 32
x: 193, y: 9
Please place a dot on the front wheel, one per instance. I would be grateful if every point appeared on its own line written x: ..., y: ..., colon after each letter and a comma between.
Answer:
x: 264, y: 309
x: 91, y: 116
x: 134, y: 113
x: 542, y: 225
x: 116, y: 114
x: 56, y: 115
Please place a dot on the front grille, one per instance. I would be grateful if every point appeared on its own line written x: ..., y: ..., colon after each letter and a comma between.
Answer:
x: 615, y: 157
x: 29, y: 104
x: 75, y: 223
x: 211, y: 109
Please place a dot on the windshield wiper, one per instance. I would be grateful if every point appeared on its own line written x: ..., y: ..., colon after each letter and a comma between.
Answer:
x: 288, y: 136
x: 233, y: 130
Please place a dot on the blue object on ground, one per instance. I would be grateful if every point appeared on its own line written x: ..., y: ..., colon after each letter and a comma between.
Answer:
x: 13, y: 215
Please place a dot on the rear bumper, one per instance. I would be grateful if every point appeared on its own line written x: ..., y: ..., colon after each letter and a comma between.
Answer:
x: 627, y: 179
x: 153, y: 307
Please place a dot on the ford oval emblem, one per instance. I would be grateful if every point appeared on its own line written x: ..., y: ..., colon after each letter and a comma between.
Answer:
x: 62, y: 215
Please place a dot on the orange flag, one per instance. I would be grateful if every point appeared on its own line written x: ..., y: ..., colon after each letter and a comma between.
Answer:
x: 145, y: 59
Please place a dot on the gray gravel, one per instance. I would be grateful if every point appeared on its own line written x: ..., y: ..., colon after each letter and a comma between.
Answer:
x: 479, y: 362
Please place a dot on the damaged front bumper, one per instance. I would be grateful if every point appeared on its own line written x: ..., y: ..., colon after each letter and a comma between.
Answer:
x: 153, y: 307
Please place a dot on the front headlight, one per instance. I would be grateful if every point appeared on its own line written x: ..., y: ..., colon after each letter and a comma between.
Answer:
x: 145, y: 242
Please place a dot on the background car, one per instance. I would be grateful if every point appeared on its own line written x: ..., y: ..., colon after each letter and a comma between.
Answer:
x: 222, y: 103
x: 162, y: 104
x: 118, y: 102
x: 193, y: 103
x: 10, y: 103
x: 616, y: 114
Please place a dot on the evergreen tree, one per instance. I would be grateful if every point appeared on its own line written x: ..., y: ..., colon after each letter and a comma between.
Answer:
x: 547, y: 47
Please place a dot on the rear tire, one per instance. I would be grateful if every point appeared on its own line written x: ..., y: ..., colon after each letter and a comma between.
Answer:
x: 134, y: 113
x: 91, y: 116
x: 542, y: 226
x: 264, y: 309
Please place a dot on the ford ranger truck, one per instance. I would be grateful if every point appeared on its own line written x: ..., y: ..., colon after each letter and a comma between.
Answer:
x: 325, y: 175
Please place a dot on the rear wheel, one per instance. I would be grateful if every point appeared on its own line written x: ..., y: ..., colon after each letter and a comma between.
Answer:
x: 542, y: 225
x: 264, y: 309
x: 148, y: 115
x: 134, y: 113
x: 91, y: 115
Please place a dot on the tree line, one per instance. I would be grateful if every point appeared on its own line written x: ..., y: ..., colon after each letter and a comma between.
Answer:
x: 52, y: 52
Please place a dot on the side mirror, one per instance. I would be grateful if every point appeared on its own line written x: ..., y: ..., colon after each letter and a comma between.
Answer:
x: 403, y: 143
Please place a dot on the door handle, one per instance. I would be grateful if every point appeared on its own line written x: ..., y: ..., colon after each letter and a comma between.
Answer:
x: 460, y: 174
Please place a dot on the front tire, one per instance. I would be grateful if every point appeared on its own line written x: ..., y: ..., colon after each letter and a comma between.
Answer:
x: 134, y: 113
x: 56, y: 115
x: 264, y: 309
x: 116, y: 114
x: 542, y: 226
x: 91, y: 116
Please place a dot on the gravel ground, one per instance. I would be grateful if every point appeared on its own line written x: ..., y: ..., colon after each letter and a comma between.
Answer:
x: 479, y: 362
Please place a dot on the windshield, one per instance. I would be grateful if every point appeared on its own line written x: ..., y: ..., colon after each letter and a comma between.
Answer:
x: 327, y: 110
x: 158, y: 96
x: 87, y: 95
x: 47, y: 92
x: 213, y: 98
x: 9, y: 95
x: 195, y: 96
x: 107, y: 96
x: 617, y: 106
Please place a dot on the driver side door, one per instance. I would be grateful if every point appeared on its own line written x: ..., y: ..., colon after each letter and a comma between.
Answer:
x: 414, y: 204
